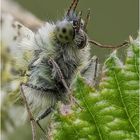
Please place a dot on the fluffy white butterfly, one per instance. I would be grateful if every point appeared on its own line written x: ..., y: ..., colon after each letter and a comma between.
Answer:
x: 52, y: 54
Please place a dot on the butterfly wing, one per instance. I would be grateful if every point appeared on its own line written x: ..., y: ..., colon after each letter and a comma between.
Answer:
x: 24, y: 45
x: 19, y: 40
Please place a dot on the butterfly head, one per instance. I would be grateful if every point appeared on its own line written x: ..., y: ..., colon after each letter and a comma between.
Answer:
x: 71, y: 28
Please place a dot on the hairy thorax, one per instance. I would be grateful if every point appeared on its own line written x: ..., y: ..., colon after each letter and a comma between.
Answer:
x: 69, y: 57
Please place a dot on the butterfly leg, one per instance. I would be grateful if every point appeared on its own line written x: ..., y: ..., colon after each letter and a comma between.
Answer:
x: 45, y: 113
x: 42, y: 116
x: 32, y: 121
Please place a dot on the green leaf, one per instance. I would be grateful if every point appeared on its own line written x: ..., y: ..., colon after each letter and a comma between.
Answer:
x: 110, y: 112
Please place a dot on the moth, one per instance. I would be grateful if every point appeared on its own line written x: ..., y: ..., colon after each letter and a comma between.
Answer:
x: 58, y: 52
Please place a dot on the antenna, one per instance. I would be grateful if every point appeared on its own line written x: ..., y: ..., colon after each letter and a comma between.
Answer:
x: 108, y: 46
x: 74, y: 3
x: 87, y: 20
x: 79, y: 21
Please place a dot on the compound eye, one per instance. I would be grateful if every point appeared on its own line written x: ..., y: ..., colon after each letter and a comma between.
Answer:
x: 75, y: 23
x: 65, y: 32
x: 82, y: 40
x: 82, y: 44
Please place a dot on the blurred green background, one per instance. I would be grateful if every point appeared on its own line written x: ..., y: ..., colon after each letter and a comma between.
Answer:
x: 112, y: 21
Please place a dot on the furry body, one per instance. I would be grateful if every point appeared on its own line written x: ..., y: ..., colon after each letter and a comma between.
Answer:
x: 44, y: 76
x: 65, y: 42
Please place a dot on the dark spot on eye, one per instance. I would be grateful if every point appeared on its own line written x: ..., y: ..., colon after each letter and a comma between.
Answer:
x: 15, y: 38
x: 60, y: 36
x: 66, y: 38
x: 64, y: 30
